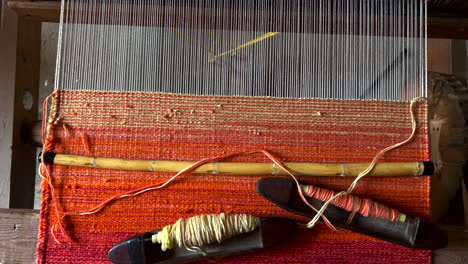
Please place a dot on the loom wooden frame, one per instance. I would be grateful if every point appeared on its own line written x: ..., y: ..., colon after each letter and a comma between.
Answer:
x: 18, y: 228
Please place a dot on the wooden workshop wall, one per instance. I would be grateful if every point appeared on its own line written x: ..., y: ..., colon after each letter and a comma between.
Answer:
x: 448, y: 56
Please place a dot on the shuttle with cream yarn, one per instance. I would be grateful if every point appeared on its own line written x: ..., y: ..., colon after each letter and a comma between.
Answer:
x: 200, y: 230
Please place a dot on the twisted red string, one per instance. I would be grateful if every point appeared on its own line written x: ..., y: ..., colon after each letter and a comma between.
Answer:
x: 85, y: 142
x: 353, y: 204
x: 47, y: 184
x: 189, y: 169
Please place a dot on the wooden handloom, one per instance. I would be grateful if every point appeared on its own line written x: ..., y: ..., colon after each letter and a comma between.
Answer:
x: 440, y: 25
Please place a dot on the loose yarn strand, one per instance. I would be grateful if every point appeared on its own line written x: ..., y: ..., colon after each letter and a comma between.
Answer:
x: 371, y: 166
x: 139, y: 191
x: 193, y: 167
x: 44, y: 173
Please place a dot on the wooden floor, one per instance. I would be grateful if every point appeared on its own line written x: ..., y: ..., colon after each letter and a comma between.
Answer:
x: 18, y: 232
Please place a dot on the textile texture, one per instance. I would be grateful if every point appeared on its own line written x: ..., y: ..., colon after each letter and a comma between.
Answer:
x: 183, y: 127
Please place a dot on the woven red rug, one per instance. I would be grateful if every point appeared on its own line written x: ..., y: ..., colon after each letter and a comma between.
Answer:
x: 182, y: 127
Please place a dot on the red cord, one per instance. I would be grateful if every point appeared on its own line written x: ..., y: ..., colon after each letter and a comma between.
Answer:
x: 47, y: 141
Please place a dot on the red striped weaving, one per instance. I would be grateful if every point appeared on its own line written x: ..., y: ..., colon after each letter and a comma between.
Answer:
x: 137, y: 126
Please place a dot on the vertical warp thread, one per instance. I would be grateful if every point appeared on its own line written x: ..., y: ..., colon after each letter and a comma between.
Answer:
x: 344, y: 49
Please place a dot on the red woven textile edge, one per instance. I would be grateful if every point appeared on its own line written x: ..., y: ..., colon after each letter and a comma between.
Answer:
x: 182, y: 127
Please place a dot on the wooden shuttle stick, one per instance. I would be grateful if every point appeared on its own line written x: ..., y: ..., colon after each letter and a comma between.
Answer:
x: 244, y: 168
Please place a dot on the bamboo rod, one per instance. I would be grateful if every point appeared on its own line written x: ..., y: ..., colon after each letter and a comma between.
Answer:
x: 244, y: 168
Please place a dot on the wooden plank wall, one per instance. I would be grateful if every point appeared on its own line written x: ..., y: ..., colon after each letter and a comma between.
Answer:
x: 459, y: 59
x: 439, y: 57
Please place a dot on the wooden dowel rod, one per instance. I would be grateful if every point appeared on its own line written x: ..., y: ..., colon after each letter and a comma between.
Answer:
x: 244, y: 168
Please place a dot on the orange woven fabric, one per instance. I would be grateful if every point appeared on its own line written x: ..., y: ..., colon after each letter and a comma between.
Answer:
x: 183, y: 127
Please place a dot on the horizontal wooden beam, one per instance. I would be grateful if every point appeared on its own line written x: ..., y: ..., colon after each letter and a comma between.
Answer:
x: 44, y: 11
x: 448, y: 27
x: 453, y: 26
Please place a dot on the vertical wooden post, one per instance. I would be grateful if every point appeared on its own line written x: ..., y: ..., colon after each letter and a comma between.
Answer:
x: 8, y: 33
x: 460, y: 59
x: 23, y: 158
x: 460, y: 70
